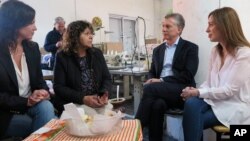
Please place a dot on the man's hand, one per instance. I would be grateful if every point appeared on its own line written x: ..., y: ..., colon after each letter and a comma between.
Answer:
x: 59, y: 44
x: 152, y: 80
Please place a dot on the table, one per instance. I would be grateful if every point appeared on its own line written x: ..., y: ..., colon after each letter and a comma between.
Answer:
x: 48, y: 74
x: 115, y: 67
x: 138, y: 87
x: 131, y: 131
x: 135, y: 73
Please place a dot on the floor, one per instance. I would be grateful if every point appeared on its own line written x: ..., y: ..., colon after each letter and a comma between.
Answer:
x: 128, y: 104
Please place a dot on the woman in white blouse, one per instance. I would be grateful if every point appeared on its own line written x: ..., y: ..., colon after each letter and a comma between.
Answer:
x: 24, y: 104
x: 224, y: 98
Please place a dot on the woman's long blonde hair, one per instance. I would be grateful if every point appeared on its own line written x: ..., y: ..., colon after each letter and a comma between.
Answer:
x: 227, y: 21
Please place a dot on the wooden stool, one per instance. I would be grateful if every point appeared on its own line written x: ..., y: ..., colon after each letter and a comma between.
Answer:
x: 221, y: 130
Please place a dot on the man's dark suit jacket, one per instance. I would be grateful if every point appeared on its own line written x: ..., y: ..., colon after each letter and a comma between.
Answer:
x: 67, y: 77
x: 185, y: 63
x: 50, y: 45
x: 10, y: 101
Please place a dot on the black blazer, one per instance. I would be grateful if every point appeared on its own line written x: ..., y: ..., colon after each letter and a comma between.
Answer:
x: 67, y: 77
x: 185, y: 63
x: 10, y: 101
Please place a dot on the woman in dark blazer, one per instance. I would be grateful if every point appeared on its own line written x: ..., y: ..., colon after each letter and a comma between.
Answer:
x: 24, y: 105
x: 80, y: 72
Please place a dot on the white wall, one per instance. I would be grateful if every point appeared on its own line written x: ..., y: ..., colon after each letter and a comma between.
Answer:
x: 242, y: 7
x: 162, y: 8
x: 46, y: 11
x: 72, y: 10
x: 195, y: 29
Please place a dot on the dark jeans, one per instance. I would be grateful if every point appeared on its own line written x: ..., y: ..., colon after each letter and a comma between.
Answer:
x: 197, y: 116
x: 36, y: 117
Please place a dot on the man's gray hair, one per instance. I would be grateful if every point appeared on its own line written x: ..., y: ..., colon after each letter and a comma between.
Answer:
x: 178, y: 18
x: 58, y: 20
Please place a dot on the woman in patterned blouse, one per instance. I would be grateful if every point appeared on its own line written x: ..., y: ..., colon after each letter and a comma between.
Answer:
x: 80, y: 71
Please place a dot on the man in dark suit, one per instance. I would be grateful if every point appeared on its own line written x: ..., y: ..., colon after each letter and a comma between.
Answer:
x: 174, y: 65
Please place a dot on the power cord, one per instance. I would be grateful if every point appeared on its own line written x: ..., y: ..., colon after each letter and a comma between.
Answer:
x: 144, y: 36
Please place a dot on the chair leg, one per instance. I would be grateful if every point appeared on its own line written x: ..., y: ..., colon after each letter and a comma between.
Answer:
x: 164, y: 122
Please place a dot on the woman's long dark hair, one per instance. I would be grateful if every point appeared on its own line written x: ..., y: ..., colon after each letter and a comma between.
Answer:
x: 13, y: 16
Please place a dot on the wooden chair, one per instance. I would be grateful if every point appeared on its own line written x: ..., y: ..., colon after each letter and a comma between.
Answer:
x: 220, y: 131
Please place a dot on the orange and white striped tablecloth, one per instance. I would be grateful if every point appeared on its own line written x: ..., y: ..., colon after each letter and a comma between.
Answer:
x: 131, y: 131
